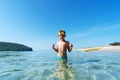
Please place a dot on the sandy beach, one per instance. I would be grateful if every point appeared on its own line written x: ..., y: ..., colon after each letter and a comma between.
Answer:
x: 101, y: 48
x: 110, y: 48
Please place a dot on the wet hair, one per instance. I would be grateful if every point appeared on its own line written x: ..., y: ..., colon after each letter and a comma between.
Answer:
x: 61, y: 32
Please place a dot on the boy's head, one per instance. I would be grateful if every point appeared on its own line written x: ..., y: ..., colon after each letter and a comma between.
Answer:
x: 61, y: 34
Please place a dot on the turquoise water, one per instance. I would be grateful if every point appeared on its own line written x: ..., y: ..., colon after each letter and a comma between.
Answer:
x: 42, y: 65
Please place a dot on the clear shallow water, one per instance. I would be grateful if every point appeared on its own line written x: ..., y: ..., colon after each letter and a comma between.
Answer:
x: 42, y: 65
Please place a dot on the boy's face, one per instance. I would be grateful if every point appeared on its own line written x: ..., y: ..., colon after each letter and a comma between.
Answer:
x: 62, y: 37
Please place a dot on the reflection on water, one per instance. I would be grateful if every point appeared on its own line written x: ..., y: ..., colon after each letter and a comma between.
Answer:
x: 64, y: 70
x: 42, y: 65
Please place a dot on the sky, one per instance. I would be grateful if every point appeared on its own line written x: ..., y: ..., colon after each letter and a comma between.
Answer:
x: 35, y: 23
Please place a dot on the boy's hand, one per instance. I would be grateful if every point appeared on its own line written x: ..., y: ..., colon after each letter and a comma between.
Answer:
x: 70, y: 45
x: 53, y: 46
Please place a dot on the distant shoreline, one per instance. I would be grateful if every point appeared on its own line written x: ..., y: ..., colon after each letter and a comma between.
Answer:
x: 111, y: 48
x: 100, y: 48
x: 8, y: 46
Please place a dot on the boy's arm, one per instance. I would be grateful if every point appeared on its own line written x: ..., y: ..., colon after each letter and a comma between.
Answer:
x: 70, y: 47
x: 55, y: 49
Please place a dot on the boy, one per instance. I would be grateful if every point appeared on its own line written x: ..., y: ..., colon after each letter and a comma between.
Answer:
x: 62, y: 46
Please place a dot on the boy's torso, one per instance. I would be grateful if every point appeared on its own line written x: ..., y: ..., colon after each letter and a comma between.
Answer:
x: 62, y: 48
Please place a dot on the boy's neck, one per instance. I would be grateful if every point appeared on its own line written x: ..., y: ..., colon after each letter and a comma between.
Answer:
x: 62, y: 39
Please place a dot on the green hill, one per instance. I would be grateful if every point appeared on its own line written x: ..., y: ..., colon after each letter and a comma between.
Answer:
x: 7, y: 46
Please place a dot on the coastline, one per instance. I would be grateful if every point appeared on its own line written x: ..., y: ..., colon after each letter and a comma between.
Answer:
x: 111, y: 48
x: 100, y: 48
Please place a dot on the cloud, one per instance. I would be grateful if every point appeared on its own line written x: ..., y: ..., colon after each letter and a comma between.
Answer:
x: 103, y: 28
x: 94, y: 29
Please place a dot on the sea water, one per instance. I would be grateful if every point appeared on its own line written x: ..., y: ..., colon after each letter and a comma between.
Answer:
x: 42, y: 65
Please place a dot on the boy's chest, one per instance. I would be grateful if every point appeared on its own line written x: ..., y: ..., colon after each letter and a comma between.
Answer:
x: 62, y: 44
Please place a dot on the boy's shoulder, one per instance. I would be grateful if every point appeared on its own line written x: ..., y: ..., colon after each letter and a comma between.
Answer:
x: 67, y: 41
x: 58, y: 42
